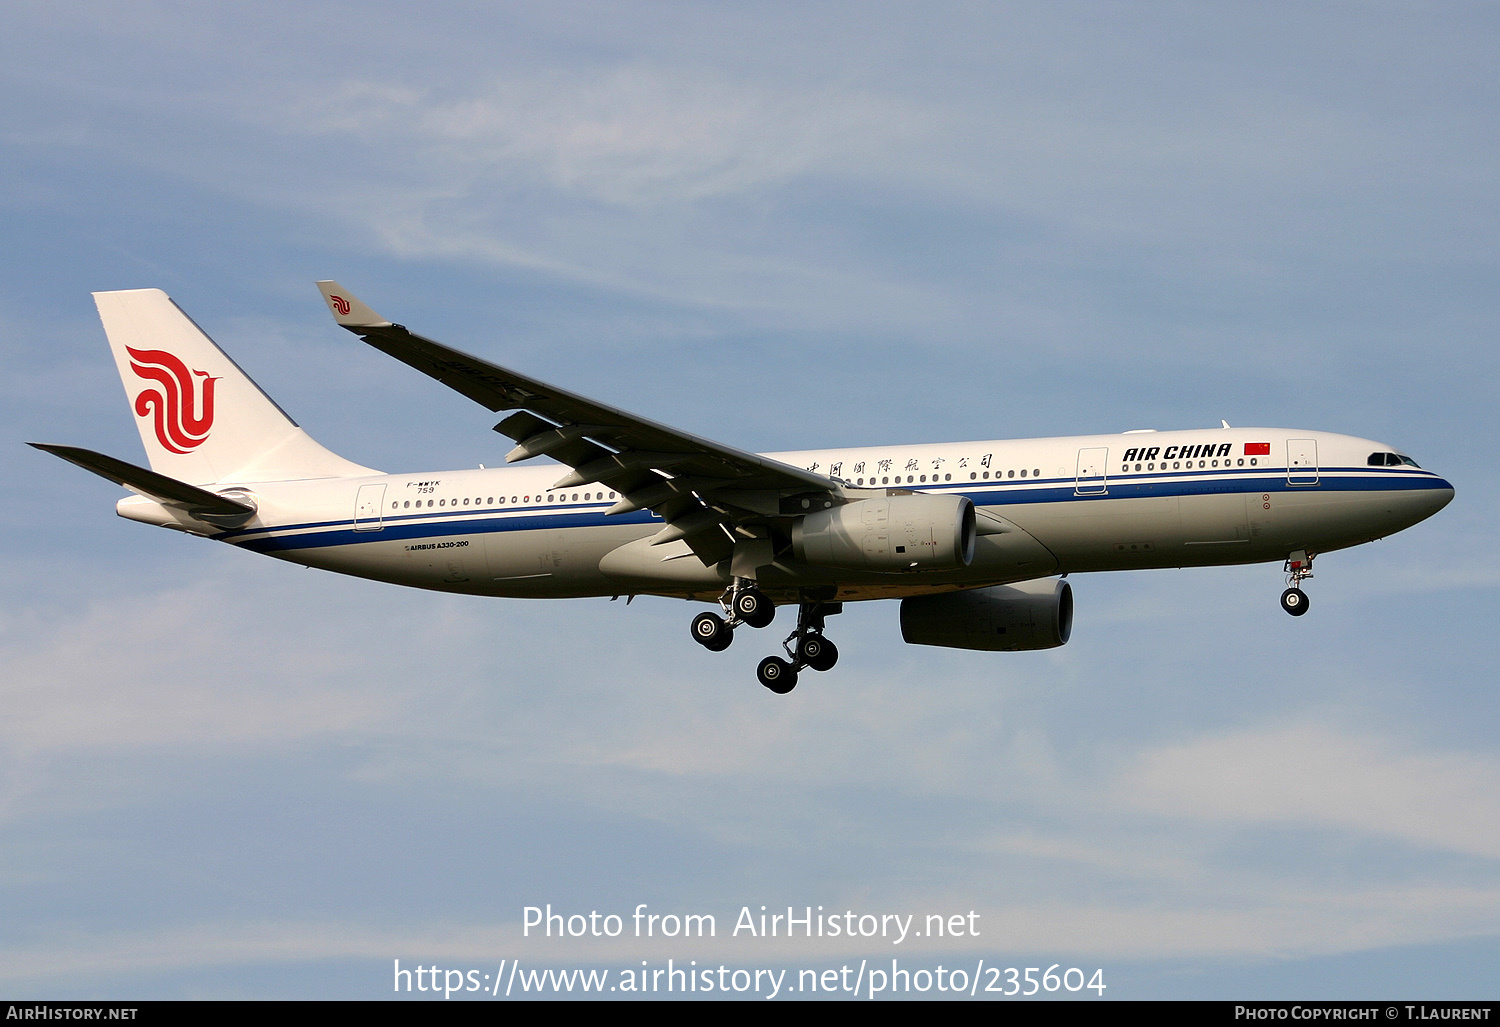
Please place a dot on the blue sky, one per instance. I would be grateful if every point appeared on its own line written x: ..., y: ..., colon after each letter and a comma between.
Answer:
x: 781, y: 226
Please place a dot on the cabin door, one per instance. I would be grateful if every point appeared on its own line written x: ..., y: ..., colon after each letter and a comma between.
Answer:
x: 1301, y: 461
x: 368, y: 507
x: 1092, y: 479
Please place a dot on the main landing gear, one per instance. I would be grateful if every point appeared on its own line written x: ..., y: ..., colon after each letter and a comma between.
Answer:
x: 743, y: 603
x: 1298, y: 568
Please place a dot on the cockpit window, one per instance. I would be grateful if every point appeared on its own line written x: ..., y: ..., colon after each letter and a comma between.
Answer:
x: 1391, y: 460
x: 1376, y: 460
x: 1403, y: 459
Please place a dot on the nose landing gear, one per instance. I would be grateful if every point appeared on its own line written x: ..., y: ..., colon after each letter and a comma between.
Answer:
x: 1298, y: 568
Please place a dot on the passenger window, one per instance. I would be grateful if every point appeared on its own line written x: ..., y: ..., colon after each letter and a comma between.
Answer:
x: 1023, y: 472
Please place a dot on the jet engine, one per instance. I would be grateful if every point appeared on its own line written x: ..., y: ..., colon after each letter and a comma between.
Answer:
x: 1027, y: 615
x: 894, y: 533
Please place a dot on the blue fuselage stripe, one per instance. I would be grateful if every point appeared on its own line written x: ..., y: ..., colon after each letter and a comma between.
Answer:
x: 435, y: 524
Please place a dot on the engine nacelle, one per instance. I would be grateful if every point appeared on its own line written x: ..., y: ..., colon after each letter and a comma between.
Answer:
x: 894, y: 533
x: 1027, y: 615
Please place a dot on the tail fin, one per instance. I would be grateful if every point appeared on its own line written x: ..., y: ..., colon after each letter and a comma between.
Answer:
x: 201, y: 418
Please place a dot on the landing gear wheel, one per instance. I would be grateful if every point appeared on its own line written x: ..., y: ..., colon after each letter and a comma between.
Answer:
x: 752, y: 607
x: 710, y: 631
x: 817, y: 652
x: 1294, y: 601
x: 777, y: 675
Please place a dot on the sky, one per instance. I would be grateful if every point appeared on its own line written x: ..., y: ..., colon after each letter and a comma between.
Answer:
x: 779, y: 226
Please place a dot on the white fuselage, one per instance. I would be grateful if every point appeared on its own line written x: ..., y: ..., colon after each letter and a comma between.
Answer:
x: 1047, y: 506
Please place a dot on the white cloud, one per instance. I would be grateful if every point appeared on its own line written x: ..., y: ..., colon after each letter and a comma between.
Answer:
x: 633, y: 135
x: 169, y: 669
x: 1315, y: 777
x: 196, y: 672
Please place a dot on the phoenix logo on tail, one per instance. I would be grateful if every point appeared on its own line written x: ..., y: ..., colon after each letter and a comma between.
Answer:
x: 340, y: 304
x: 183, y: 415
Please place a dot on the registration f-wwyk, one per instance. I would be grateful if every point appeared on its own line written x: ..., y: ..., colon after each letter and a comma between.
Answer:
x: 974, y: 538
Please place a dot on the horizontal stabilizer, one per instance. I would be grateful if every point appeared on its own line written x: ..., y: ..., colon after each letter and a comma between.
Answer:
x: 149, y: 483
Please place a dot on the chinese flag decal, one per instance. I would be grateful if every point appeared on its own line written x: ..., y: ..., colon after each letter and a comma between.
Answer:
x: 1257, y: 449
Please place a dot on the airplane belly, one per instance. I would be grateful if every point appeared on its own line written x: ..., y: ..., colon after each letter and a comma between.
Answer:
x: 669, y: 569
x: 1106, y: 534
x: 559, y: 562
x: 1215, y: 519
x: 443, y: 563
x: 1014, y: 555
x: 452, y: 563
x: 1323, y: 519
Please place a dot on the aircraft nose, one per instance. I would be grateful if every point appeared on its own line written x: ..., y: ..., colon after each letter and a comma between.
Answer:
x: 1442, y: 495
x: 1420, y: 504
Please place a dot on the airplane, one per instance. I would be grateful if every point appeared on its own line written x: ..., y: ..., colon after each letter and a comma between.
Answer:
x: 976, y: 539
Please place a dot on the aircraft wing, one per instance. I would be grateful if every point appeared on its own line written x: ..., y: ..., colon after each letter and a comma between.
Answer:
x: 708, y: 493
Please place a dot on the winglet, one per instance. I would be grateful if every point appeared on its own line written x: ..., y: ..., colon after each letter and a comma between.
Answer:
x: 347, y: 309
